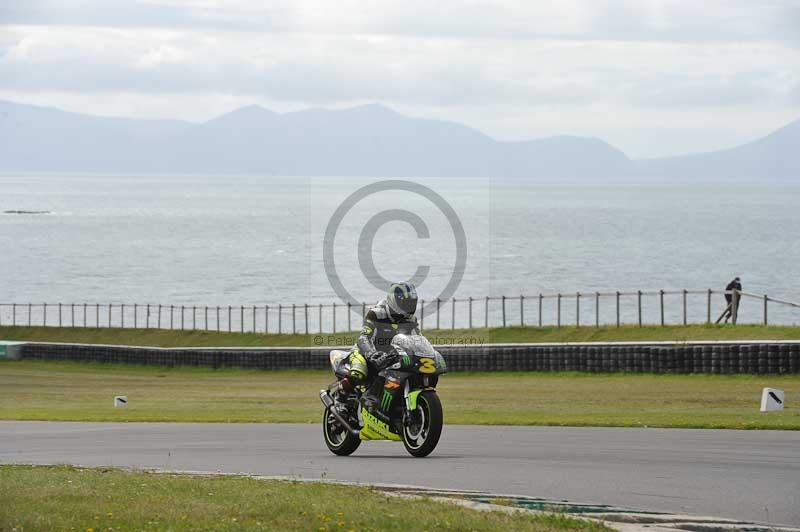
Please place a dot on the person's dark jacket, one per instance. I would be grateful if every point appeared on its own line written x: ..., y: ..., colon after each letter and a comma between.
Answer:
x: 733, y: 285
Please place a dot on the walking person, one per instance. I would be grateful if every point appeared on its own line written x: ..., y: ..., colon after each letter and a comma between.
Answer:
x: 736, y: 284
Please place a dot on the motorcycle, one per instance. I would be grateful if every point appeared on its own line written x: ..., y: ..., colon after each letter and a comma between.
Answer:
x: 413, y: 417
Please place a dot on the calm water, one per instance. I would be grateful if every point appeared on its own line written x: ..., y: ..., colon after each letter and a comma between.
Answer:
x: 258, y: 240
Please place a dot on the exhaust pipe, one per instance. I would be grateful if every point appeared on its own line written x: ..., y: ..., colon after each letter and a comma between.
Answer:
x: 326, y: 399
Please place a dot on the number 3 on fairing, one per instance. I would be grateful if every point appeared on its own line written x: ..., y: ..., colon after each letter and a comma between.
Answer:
x: 427, y: 365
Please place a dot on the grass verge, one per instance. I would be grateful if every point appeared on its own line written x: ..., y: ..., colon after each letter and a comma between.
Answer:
x: 71, y: 391
x: 68, y: 498
x: 626, y: 333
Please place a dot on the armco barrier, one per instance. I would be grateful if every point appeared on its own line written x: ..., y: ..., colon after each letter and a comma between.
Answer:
x: 757, y: 357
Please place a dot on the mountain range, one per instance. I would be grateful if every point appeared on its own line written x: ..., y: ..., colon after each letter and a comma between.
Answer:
x: 368, y: 140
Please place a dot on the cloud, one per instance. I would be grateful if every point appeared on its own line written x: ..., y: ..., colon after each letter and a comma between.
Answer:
x: 655, y: 20
x: 326, y: 69
x: 502, y: 64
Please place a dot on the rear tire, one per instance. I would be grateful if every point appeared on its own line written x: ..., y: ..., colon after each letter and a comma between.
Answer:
x: 420, y: 439
x: 338, y: 439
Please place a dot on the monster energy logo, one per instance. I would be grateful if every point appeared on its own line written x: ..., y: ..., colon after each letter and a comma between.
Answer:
x: 406, y: 360
x: 386, y: 401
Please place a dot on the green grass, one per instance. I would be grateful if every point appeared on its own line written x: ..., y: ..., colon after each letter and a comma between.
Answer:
x: 67, y: 498
x: 41, y: 390
x: 627, y: 333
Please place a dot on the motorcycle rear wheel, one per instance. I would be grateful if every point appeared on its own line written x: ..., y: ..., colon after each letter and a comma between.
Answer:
x: 420, y: 438
x: 338, y: 439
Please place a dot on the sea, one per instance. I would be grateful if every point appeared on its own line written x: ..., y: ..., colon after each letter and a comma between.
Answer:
x: 245, y: 241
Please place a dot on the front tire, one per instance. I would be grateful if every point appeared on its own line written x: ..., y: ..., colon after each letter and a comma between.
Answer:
x: 338, y: 439
x: 420, y: 438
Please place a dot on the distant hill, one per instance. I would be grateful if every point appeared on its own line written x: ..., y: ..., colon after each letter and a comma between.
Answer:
x: 774, y: 157
x: 369, y: 140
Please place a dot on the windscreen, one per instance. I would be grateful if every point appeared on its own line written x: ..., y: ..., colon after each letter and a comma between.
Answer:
x: 416, y: 344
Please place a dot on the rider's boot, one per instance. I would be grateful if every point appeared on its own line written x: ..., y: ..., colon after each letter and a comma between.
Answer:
x: 342, y: 396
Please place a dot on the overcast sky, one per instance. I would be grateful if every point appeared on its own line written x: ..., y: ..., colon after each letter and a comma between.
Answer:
x: 651, y: 77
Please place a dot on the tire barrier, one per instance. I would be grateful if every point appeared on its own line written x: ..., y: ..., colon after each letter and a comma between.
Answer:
x: 779, y: 357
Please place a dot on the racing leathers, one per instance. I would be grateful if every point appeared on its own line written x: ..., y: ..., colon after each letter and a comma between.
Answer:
x: 373, y: 352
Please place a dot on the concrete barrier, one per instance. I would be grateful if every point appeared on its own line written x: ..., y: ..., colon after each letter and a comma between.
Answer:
x: 756, y: 357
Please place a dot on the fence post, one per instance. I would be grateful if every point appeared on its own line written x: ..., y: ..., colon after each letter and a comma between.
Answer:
x: 558, y: 319
x: 147, y: 317
x: 597, y: 309
x: 503, y: 300
x: 617, y: 308
x: 735, y: 303
x: 438, y: 308
x: 521, y: 310
x: 486, y: 313
x: 541, y: 297
x: 305, y: 316
x: 182, y: 314
x: 158, y: 326
x: 766, y: 300
x: 230, y: 316
x: 254, y: 319
x: 205, y: 317
x: 280, y: 318
x: 109, y: 315
x: 453, y: 314
x: 577, y: 309
x: 266, y: 319
x: 320, y: 318
x: 159, y: 313
x: 708, y: 307
x: 72, y: 313
x: 59, y: 315
x: 44, y: 314
x: 29, y: 314
x: 333, y: 309
x: 135, y: 323
x: 172, y: 317
x: 122, y: 315
x: 241, y: 318
x: 661, y: 305
x: 684, y: 306
x: 294, y: 323
x: 14, y: 314
x: 349, y: 327
x: 639, y: 305
x: 470, y: 312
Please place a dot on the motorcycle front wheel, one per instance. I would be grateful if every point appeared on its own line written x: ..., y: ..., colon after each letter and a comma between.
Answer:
x: 338, y: 439
x: 421, y: 435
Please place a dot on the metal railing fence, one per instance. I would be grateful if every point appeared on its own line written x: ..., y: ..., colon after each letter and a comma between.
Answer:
x: 652, y: 307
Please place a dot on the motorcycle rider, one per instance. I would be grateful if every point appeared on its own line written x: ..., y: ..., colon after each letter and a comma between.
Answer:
x: 392, y: 315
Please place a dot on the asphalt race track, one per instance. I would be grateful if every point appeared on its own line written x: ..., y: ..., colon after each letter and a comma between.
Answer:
x: 748, y: 475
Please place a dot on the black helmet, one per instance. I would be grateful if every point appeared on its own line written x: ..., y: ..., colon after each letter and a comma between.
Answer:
x: 402, y: 299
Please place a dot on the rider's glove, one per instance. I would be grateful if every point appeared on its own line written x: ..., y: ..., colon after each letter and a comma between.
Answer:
x: 383, y: 360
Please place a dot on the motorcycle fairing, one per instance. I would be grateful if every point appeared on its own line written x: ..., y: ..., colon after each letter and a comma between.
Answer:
x: 375, y: 429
